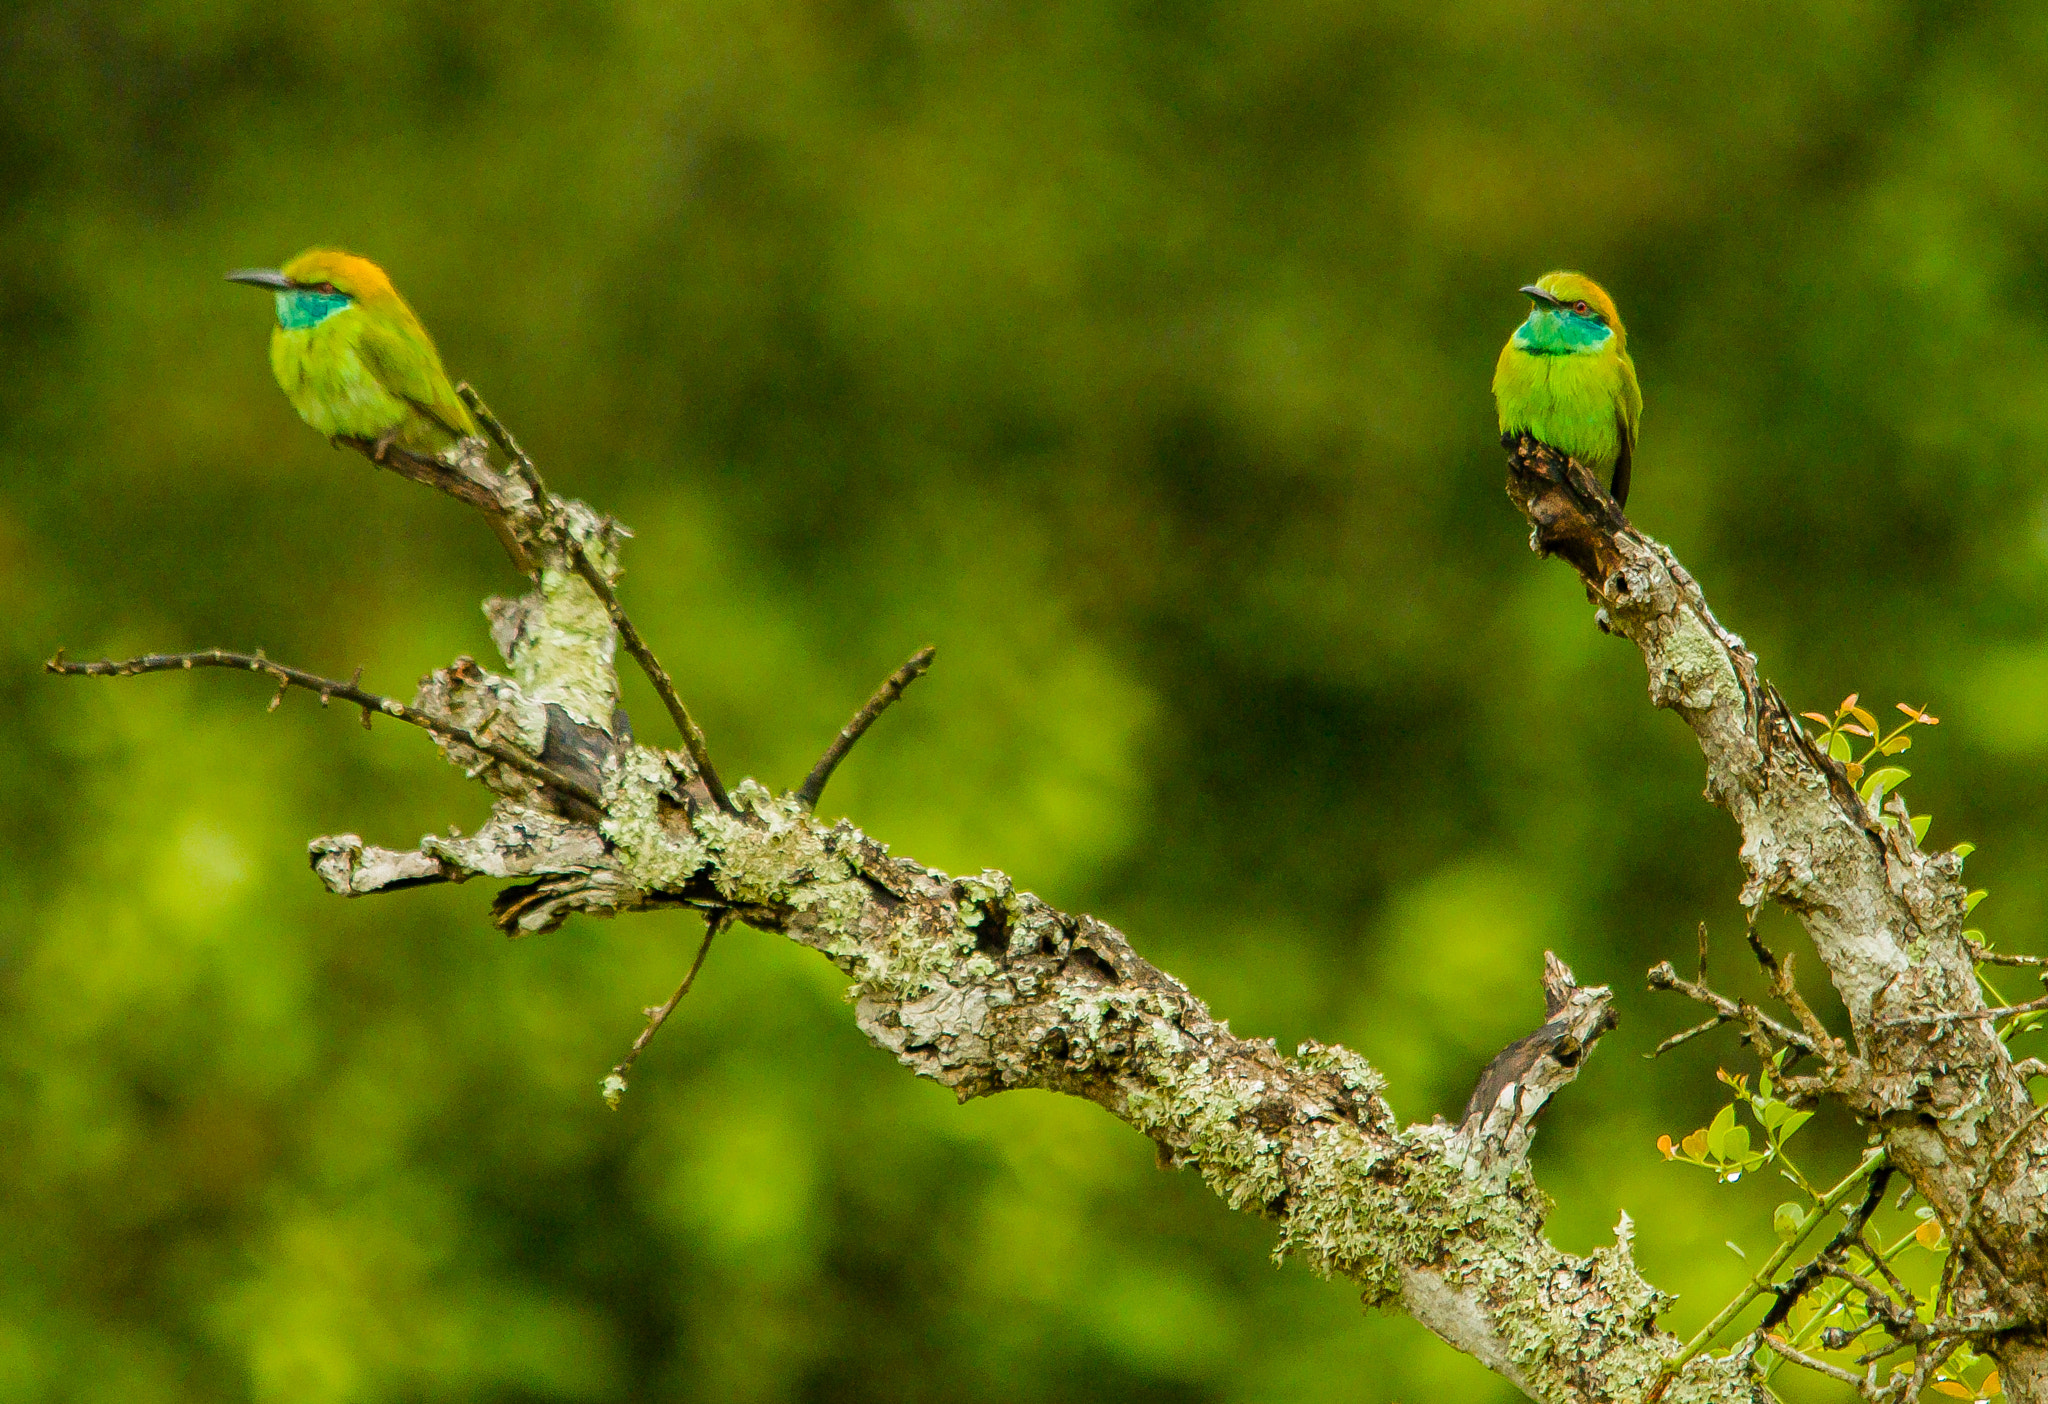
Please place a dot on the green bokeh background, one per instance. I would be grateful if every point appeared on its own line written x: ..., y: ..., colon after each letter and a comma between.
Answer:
x: 1135, y: 354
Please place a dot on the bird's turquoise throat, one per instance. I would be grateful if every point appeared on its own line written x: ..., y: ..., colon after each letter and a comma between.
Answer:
x: 302, y: 307
x: 1552, y: 332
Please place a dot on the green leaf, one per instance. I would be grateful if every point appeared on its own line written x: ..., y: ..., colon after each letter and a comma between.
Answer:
x: 1964, y: 850
x: 1896, y: 745
x: 1792, y: 1124
x: 1718, y: 1129
x: 1838, y: 747
x: 1787, y: 1219
x: 1970, y: 902
x: 1920, y: 823
x: 1882, y: 779
x: 1727, y: 1140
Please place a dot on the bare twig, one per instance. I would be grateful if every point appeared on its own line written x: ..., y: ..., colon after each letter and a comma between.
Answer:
x: 1957, y: 1016
x: 814, y: 783
x: 1987, y: 956
x: 1663, y: 977
x: 1800, y: 1357
x: 1824, y: 1044
x: 1688, y: 1035
x: 664, y: 686
x: 614, y: 1084
x: 1928, y: 1361
x: 466, y: 478
x: 327, y: 688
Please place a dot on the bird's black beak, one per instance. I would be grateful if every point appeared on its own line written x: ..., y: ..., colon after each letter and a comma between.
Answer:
x: 1536, y: 294
x: 262, y: 278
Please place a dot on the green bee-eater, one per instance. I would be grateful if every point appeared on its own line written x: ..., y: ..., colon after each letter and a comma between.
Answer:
x: 353, y: 359
x: 1565, y: 378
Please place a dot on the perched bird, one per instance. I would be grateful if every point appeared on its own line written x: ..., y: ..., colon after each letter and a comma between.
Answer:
x: 1565, y: 378
x: 353, y: 359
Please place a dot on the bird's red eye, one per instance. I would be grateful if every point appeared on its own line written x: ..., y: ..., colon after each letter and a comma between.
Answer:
x: 1580, y: 308
x: 329, y: 287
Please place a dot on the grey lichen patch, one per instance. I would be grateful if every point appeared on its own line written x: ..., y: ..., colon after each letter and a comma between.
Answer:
x: 1208, y: 1120
x: 644, y: 820
x: 1695, y: 673
x: 490, y: 708
x: 558, y: 638
x: 1347, y: 1214
x: 521, y: 842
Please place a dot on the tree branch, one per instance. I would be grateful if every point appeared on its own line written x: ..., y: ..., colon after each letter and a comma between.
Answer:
x: 891, y: 689
x: 983, y: 988
x: 1885, y: 918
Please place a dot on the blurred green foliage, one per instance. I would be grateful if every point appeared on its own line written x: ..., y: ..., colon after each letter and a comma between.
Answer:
x: 1136, y: 355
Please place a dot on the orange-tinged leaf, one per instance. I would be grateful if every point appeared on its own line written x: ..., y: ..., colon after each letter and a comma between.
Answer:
x: 1855, y: 769
x: 1960, y: 1391
x: 1913, y: 712
x: 1853, y: 729
x: 1695, y: 1144
x: 1992, y: 1385
x: 1664, y: 1144
x: 1816, y: 716
x: 1848, y: 702
x: 1928, y: 1235
x: 1864, y: 717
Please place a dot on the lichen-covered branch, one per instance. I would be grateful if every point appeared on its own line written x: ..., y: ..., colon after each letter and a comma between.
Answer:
x: 1885, y: 918
x: 983, y: 988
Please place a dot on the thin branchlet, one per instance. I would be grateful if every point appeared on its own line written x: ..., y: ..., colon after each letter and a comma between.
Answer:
x: 579, y: 560
x: 614, y: 1085
x: 891, y: 689
x: 327, y: 688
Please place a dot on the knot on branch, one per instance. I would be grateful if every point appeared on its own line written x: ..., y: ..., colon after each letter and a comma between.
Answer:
x: 1500, y: 1117
x: 1570, y: 515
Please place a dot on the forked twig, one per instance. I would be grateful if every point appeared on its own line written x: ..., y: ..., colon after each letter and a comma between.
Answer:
x: 327, y: 688
x: 664, y: 686
x: 1726, y: 1010
x: 614, y: 1084
x: 814, y: 783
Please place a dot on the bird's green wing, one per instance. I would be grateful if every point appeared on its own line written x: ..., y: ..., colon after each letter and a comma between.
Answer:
x: 1627, y: 415
x: 401, y: 355
x: 1618, y: 484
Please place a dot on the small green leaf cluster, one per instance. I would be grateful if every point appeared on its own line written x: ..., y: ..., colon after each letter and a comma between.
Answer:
x: 1724, y: 1144
x: 1851, y: 720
